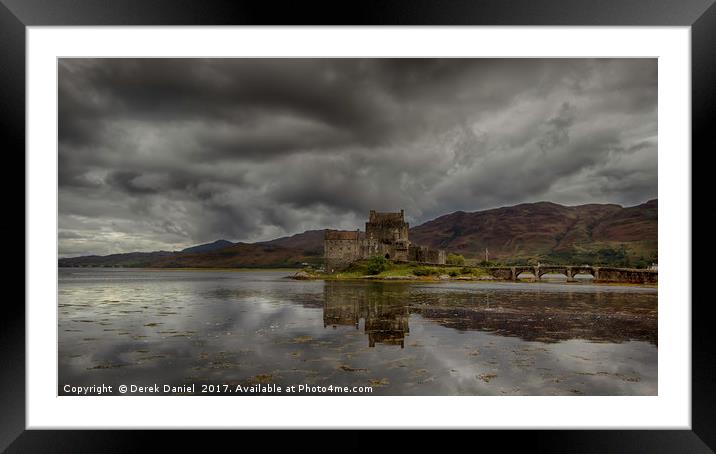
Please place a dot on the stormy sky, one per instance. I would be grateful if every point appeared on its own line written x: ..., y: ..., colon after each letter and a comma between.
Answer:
x: 161, y: 154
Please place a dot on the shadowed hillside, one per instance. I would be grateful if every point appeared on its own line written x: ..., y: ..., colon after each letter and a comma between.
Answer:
x: 549, y: 232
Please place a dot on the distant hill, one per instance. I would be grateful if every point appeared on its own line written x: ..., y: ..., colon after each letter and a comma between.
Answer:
x: 130, y: 259
x: 238, y: 255
x: 548, y: 232
x: 310, y: 241
x: 218, y: 244
x: 525, y: 233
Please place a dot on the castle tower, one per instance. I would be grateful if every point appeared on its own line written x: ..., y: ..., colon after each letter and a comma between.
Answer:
x: 389, y: 234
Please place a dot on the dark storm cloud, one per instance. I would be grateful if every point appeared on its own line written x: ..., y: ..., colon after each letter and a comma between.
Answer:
x: 165, y: 153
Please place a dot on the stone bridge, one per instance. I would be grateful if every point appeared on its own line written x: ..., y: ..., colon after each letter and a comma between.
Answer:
x: 600, y: 274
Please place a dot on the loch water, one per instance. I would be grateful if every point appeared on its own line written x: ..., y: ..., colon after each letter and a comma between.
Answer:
x: 257, y: 330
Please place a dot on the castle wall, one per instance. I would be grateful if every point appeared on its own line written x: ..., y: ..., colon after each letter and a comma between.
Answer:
x: 371, y: 248
x: 423, y: 254
x: 340, y: 249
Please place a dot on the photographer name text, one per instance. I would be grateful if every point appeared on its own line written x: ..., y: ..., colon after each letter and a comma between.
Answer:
x: 98, y: 390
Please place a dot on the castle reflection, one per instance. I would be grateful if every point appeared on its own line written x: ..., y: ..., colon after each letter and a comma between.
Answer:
x: 533, y: 316
x: 384, y: 311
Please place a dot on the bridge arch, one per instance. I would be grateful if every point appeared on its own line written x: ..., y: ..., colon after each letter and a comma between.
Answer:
x: 518, y: 270
x: 541, y: 270
x: 583, y: 270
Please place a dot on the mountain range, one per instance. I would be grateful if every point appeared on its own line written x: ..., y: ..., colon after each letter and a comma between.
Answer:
x: 529, y: 232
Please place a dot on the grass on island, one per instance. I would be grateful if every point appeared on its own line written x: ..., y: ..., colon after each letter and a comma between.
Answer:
x: 389, y: 269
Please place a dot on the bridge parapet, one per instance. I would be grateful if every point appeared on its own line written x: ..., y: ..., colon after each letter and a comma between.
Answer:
x: 631, y: 275
x: 601, y: 274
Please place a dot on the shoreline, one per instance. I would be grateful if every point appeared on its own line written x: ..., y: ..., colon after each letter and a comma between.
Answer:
x: 431, y: 279
x: 373, y: 278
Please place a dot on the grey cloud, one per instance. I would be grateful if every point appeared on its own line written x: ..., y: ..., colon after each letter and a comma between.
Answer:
x: 165, y: 153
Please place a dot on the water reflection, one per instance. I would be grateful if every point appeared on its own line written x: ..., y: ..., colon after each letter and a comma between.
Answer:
x: 180, y: 327
x: 548, y: 315
x: 385, y: 312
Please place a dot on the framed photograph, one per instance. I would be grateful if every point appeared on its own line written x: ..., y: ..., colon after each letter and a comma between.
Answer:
x: 246, y: 217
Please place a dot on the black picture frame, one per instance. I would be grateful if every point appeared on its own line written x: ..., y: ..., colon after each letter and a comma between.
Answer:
x: 16, y: 15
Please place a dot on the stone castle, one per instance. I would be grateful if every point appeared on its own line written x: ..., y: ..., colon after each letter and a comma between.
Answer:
x: 386, y: 234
